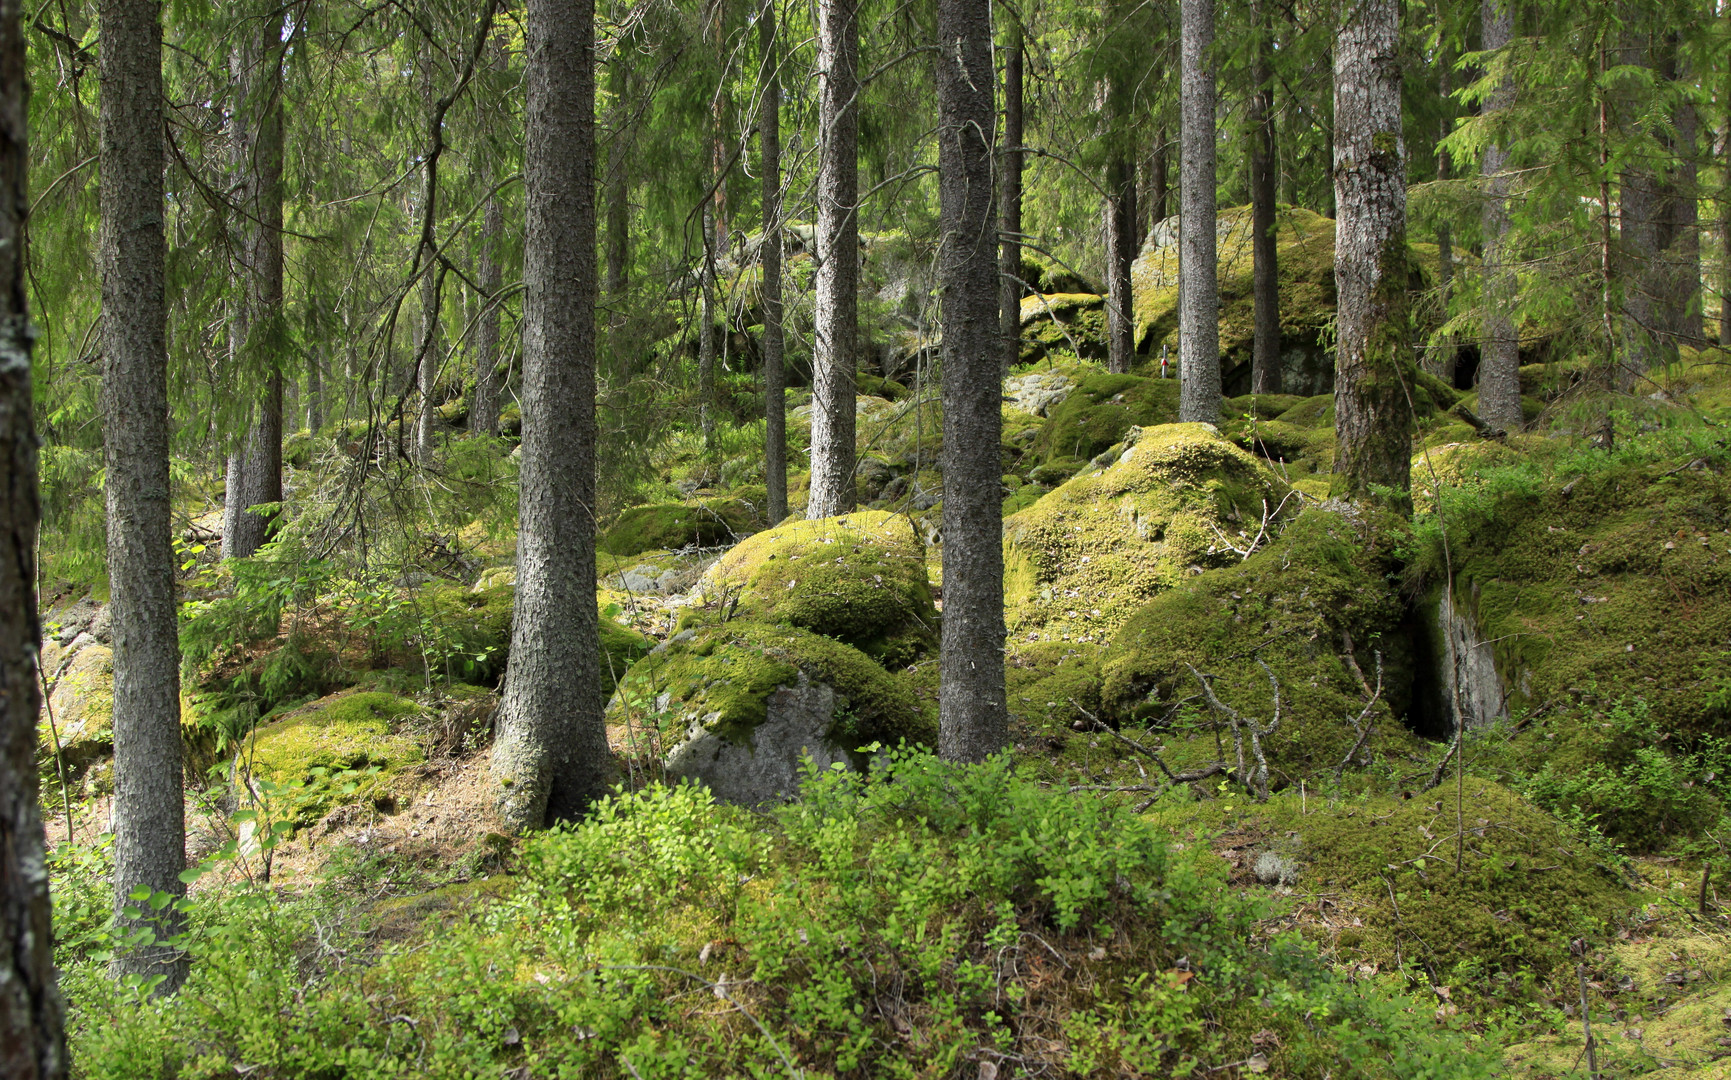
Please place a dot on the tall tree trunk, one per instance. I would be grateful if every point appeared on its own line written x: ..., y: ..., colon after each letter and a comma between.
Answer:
x: 619, y: 179
x: 1372, y: 413
x: 1640, y: 211
x: 1120, y: 223
x: 484, y: 413
x: 1500, y: 347
x: 429, y: 351
x: 255, y: 306
x: 706, y: 334
x: 550, y: 756
x: 1265, y: 271
x: 1725, y: 220
x: 769, y: 258
x: 1159, y: 180
x: 315, y: 405
x: 973, y: 721
x: 837, y: 301
x: 1010, y: 286
x: 32, y: 1015
x: 149, y: 816
x: 1443, y: 363
x: 1682, y: 220
x: 1198, y: 284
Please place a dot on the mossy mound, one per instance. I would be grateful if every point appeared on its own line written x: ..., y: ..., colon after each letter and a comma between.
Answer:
x: 671, y: 526
x: 719, y: 678
x: 860, y: 579
x: 1261, y: 406
x: 316, y: 752
x: 877, y: 386
x: 1305, y: 245
x: 1069, y: 324
x: 1299, y: 605
x: 1052, y: 682
x: 1526, y: 887
x: 1080, y: 561
x: 82, y: 703
x: 1100, y: 410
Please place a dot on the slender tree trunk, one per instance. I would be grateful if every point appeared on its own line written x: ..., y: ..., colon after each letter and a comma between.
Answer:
x: 769, y: 258
x: 1198, y: 283
x: 1640, y: 209
x: 1010, y: 286
x: 1500, y: 347
x: 484, y: 414
x: 973, y: 721
x: 149, y: 817
x: 1725, y: 222
x: 706, y: 335
x: 550, y: 756
x: 1265, y: 273
x: 619, y: 179
x: 428, y: 345
x: 837, y: 300
x: 1373, y: 415
x: 315, y: 392
x: 1682, y: 214
x: 255, y: 307
x: 1120, y: 222
x: 1443, y: 366
x: 32, y: 1015
x: 1158, y: 180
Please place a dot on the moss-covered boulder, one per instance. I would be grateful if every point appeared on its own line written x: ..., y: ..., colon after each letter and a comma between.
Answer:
x: 1052, y: 682
x: 312, y: 756
x: 1081, y: 560
x: 859, y: 578
x: 1097, y: 413
x: 738, y: 706
x: 1069, y: 324
x: 81, y: 701
x: 670, y: 526
x: 1316, y: 606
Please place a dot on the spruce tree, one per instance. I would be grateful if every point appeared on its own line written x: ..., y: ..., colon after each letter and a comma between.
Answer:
x: 1198, y: 283
x: 837, y: 301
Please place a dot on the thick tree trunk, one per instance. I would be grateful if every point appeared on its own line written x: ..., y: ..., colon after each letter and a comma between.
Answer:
x: 1159, y: 180
x: 1010, y: 286
x: 837, y: 301
x: 32, y: 1016
x: 1198, y: 284
x: 1121, y: 245
x: 769, y: 257
x: 1373, y: 415
x: 1500, y: 346
x: 484, y: 413
x: 149, y: 816
x: 973, y: 721
x: 1640, y: 218
x: 550, y: 756
x: 619, y: 179
x: 255, y: 306
x: 1265, y: 273
x: 1682, y: 226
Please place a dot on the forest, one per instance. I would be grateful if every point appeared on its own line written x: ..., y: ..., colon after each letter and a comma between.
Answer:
x: 648, y: 539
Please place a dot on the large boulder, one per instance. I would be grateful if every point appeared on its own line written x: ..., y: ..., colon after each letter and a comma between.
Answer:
x: 1079, y: 561
x: 80, y: 701
x: 859, y: 578
x: 1099, y: 411
x: 671, y: 526
x: 739, y: 707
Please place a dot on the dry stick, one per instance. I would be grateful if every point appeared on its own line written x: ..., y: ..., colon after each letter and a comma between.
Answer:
x: 1360, y: 725
x: 1587, y: 1023
x: 60, y: 758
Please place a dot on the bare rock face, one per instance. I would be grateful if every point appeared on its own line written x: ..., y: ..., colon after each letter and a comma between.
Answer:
x: 766, y: 768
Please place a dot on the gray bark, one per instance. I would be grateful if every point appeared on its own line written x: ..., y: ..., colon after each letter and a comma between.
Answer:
x: 149, y: 816
x: 484, y: 413
x: 428, y: 346
x: 1010, y: 286
x: 706, y: 335
x: 1198, y: 260
x: 550, y: 756
x: 1265, y: 271
x: 1725, y: 225
x: 619, y: 179
x: 32, y: 1015
x: 255, y: 302
x: 1500, y: 346
x: 973, y: 721
x: 837, y: 294
x: 769, y: 257
x: 1682, y: 225
x: 1442, y: 363
x: 1373, y: 415
x: 1121, y: 245
x: 1159, y: 180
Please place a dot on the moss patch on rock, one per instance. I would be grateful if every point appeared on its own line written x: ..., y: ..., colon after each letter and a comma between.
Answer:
x: 1100, y: 410
x: 314, y: 753
x: 859, y: 578
x: 1081, y: 560
x: 720, y: 678
x: 1297, y: 605
x: 671, y: 526
x: 82, y: 702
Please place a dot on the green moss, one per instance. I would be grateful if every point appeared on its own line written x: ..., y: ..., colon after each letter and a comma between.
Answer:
x: 860, y: 579
x: 720, y: 677
x: 1262, y: 406
x: 1526, y: 888
x: 621, y: 646
x: 876, y: 386
x: 1099, y: 411
x: 1295, y: 605
x: 82, y: 701
x: 1048, y: 680
x: 1063, y: 324
x: 345, y: 733
x: 670, y: 526
x: 1080, y: 560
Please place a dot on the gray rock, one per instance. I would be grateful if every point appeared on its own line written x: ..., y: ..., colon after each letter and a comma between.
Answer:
x: 102, y: 626
x: 1037, y: 391
x: 769, y: 769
